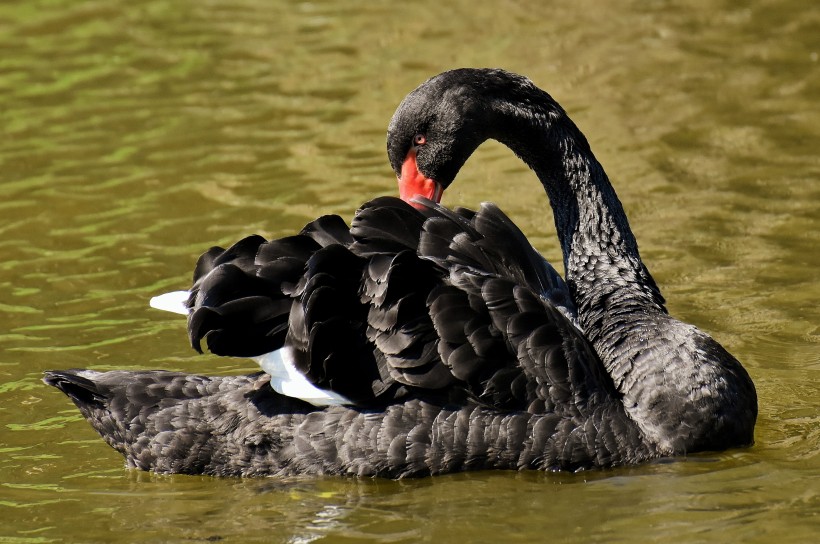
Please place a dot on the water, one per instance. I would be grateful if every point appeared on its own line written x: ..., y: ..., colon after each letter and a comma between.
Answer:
x: 134, y: 135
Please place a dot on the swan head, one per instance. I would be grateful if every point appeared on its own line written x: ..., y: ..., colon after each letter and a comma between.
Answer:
x: 441, y: 123
x: 432, y: 134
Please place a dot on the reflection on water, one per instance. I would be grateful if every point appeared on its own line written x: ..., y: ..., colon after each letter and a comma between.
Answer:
x: 135, y: 135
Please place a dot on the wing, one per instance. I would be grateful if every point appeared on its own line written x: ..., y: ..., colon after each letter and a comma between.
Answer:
x: 431, y: 302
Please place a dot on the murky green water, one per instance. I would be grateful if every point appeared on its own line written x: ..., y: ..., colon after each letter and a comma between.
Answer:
x: 133, y: 135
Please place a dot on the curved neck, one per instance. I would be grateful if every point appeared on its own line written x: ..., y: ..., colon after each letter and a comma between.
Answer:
x: 603, y: 267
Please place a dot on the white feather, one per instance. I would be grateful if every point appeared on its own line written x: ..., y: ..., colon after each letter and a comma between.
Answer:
x: 171, y: 302
x: 287, y: 380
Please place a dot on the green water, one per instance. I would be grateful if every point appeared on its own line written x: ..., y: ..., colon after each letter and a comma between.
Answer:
x: 134, y: 135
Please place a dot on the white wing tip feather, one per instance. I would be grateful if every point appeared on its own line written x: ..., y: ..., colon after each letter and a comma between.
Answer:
x: 171, y: 302
x: 287, y: 380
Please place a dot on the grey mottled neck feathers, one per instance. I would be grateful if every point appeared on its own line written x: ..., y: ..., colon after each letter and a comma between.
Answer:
x: 652, y: 358
x: 603, y: 266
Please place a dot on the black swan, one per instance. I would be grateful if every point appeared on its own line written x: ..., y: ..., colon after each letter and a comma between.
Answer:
x: 423, y: 340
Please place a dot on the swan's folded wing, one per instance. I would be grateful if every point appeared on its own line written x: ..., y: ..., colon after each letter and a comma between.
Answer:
x: 488, y: 242
x: 503, y: 323
x: 505, y: 319
x: 368, y: 314
x: 240, y: 305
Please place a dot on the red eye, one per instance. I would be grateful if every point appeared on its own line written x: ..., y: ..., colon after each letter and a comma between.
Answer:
x: 419, y: 139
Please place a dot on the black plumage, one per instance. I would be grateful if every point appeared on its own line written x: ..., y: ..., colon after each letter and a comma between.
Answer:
x: 454, y: 343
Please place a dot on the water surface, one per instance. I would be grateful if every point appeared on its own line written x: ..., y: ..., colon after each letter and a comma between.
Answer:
x: 134, y: 135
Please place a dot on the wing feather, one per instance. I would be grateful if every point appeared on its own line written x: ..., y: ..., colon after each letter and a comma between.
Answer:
x: 404, y: 302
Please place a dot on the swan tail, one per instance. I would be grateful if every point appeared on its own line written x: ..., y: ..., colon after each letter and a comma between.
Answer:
x: 79, y: 389
x: 170, y: 422
x: 94, y: 401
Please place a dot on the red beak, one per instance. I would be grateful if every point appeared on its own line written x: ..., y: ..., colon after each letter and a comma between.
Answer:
x: 413, y: 183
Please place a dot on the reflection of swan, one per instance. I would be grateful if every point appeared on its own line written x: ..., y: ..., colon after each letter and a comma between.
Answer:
x: 429, y: 340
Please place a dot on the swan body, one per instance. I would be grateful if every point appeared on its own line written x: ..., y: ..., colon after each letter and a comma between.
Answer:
x: 420, y: 340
